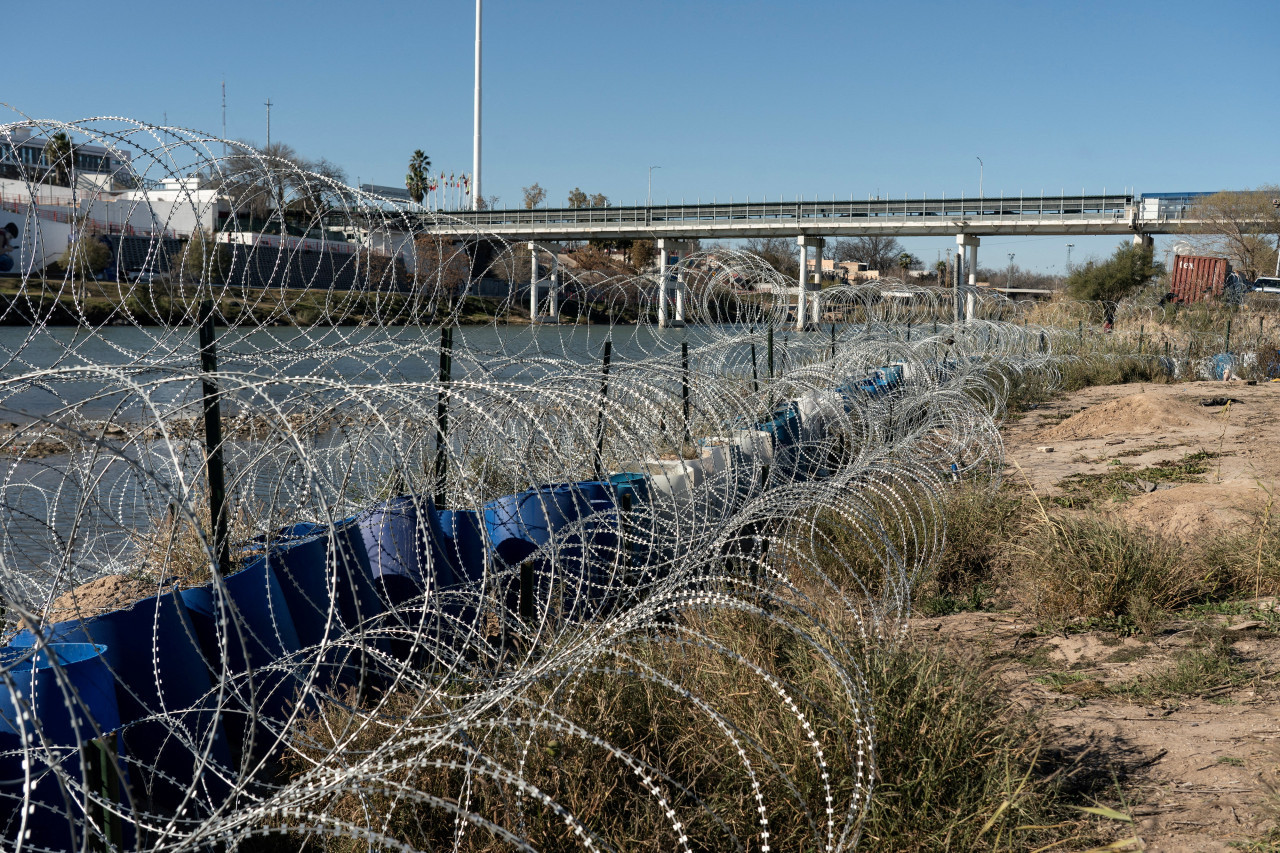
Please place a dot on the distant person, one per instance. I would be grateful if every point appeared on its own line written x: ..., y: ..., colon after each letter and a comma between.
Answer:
x: 8, y: 242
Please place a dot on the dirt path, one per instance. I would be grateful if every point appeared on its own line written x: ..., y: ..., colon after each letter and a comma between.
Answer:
x: 1194, y: 765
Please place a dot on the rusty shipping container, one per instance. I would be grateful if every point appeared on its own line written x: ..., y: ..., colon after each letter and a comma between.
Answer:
x: 1197, y: 277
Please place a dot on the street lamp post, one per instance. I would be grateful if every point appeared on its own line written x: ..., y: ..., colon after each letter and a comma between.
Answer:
x: 1069, y: 247
x: 980, y: 164
x: 1008, y: 277
x: 648, y: 199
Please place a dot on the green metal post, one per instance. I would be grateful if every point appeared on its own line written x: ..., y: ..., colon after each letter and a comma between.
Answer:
x: 604, y: 396
x: 442, y: 416
x: 215, y: 473
x: 770, y: 343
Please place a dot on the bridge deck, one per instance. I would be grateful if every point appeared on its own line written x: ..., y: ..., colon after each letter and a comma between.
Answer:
x: 1048, y: 215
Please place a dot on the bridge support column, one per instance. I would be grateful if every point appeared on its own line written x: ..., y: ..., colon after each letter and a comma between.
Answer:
x: 533, y: 283
x: 815, y: 300
x: 670, y: 288
x: 807, y: 293
x: 551, y: 284
x: 968, y: 245
x: 555, y: 291
x: 1146, y: 241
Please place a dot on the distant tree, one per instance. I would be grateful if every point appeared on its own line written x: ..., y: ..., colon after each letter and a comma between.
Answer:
x: 533, y: 196
x: 640, y: 254
x: 1128, y: 268
x: 778, y: 252
x: 877, y: 252
x: 416, y: 179
x: 577, y: 198
x: 59, y: 154
x: 598, y: 200
x: 315, y: 184
x: 203, y: 260
x: 906, y: 261
x: 1243, y: 227
x: 256, y: 179
x: 489, y: 202
x: 85, y: 258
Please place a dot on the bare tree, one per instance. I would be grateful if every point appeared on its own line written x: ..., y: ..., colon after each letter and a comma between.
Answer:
x: 598, y: 200
x: 877, y: 252
x: 489, y: 202
x: 577, y: 198
x: 278, y: 178
x: 533, y: 196
x: 1243, y: 226
x: 778, y: 252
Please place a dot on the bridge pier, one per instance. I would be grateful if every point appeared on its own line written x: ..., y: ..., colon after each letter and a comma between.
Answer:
x: 1146, y: 241
x: 551, y: 284
x: 969, y: 243
x: 670, y: 290
x: 807, y: 294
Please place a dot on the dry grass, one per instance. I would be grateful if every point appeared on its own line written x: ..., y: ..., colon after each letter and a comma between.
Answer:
x: 1070, y: 567
x: 667, y: 701
x: 956, y: 759
x: 178, y: 548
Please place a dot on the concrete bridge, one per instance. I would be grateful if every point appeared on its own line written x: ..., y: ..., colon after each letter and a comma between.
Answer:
x: 923, y: 217
x: 812, y: 222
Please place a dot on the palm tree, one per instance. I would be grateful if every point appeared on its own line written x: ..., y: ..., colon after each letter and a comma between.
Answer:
x: 906, y: 262
x: 415, y: 180
x: 58, y: 153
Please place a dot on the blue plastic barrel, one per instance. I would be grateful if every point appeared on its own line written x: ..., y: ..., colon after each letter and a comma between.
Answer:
x: 244, y: 627
x: 635, y: 486
x: 401, y: 537
x: 155, y: 659
x: 462, y: 545
x: 46, y: 713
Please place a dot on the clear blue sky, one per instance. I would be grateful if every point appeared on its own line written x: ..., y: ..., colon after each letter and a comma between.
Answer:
x: 729, y: 98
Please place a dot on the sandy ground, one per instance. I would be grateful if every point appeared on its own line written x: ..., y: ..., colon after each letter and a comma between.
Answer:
x: 1144, y: 424
x: 1196, y: 771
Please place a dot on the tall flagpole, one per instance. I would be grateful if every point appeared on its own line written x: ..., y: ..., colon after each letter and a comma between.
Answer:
x: 475, y: 148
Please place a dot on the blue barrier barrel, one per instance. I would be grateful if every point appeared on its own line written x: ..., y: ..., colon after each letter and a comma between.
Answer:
x: 635, y: 538
x: 462, y: 545
x: 66, y: 708
x: 635, y: 486
x: 46, y: 713
x: 244, y: 626
x: 158, y: 667
x: 359, y: 604
x: 401, y: 537
x: 1221, y: 365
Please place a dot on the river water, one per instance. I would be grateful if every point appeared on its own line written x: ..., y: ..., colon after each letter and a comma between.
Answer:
x: 60, y: 509
x: 77, y: 370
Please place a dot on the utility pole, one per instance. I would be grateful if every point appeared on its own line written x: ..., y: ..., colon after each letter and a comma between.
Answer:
x: 1008, y: 277
x: 1275, y: 203
x: 1069, y: 247
x: 475, y: 144
x: 268, y: 103
x: 224, y: 118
